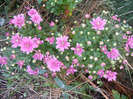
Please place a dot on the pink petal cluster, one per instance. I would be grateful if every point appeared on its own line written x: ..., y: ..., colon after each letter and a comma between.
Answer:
x: 36, y: 18
x: 104, y: 48
x: 38, y: 56
x: 37, y: 42
x: 18, y: 20
x: 27, y: 45
x: 32, y: 12
x: 100, y: 73
x: 78, y: 50
x: 62, y: 43
x: 71, y: 70
x: 75, y: 61
x: 53, y: 64
x: 51, y: 24
x: 114, y: 17
x: 110, y: 75
x: 126, y: 48
x: 34, y: 72
x: 13, y: 56
x: 3, y: 61
x: 50, y: 39
x: 87, y: 16
x: 16, y: 40
x: 113, y: 54
x: 130, y: 41
x: 98, y: 23
x: 21, y: 63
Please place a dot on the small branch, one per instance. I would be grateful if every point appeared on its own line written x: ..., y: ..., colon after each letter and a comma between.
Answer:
x: 95, y: 87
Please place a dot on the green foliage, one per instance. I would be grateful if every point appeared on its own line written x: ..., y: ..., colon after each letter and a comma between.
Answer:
x: 117, y: 95
x: 62, y: 6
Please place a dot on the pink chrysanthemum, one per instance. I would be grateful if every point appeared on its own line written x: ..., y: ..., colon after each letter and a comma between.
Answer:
x: 100, y: 73
x: 37, y: 42
x: 27, y: 45
x: 126, y: 48
x: 38, y: 56
x: 34, y: 72
x: 16, y: 39
x: 53, y: 64
x: 113, y: 54
x: 50, y: 39
x: 98, y: 23
x: 3, y: 61
x: 18, y: 20
x: 104, y: 48
x: 75, y: 61
x: 71, y: 70
x: 130, y: 41
x: 51, y: 24
x: 78, y: 50
x: 36, y: 18
x: 32, y: 12
x: 110, y: 75
x: 114, y: 17
x: 62, y: 43
x: 21, y: 63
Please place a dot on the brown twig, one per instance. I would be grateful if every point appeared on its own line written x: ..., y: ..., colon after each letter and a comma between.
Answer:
x: 94, y: 86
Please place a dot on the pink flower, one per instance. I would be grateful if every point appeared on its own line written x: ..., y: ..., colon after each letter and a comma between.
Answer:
x: 114, y: 17
x: 103, y: 64
x: 13, y: 56
x: 51, y: 24
x: 54, y: 74
x: 89, y: 42
x: 113, y: 54
x: 62, y: 43
x: 98, y: 32
x: 39, y: 27
x: 32, y: 12
x: 16, y: 40
x: 130, y: 41
x: 87, y: 16
x: 71, y: 70
x: 3, y: 61
x: 98, y: 23
x: 27, y: 8
x: 36, y: 18
x: 53, y: 64
x: 73, y: 32
x: 27, y: 45
x: 118, y: 20
x: 121, y: 67
x: 18, y: 20
x: 37, y: 41
x: 125, y: 61
x: 50, y: 39
x: 78, y: 50
x: 124, y: 37
x: 87, y: 71
x: 128, y: 32
x: 62, y: 65
x: 90, y: 77
x: 46, y: 75
x: 100, y: 72
x: 75, y: 61
x: 46, y: 58
x: 38, y: 56
x: 126, y: 48
x: 11, y: 21
x: 110, y: 75
x: 104, y: 48
x: 21, y: 63
x: 7, y: 34
x: 34, y: 72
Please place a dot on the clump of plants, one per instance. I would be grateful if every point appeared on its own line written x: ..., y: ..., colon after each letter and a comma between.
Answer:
x: 93, y: 48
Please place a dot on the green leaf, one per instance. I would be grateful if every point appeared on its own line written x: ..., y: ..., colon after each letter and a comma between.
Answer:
x: 45, y: 94
x: 47, y: 84
x: 61, y: 84
x: 25, y: 94
x: 6, y: 75
x: 39, y: 1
